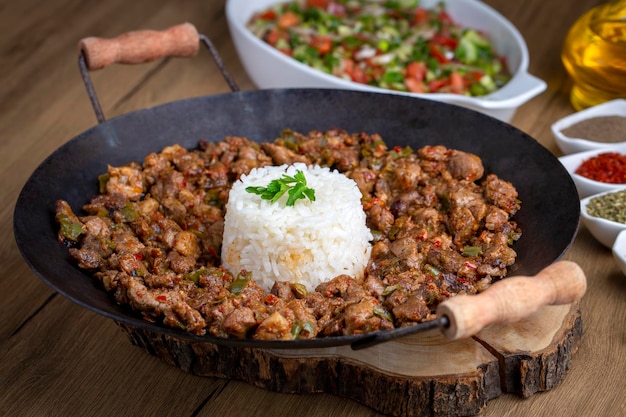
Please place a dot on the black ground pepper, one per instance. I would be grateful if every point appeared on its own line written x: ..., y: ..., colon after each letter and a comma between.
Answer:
x: 609, y: 129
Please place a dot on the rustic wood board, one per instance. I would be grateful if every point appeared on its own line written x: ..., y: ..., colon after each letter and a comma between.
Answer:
x: 418, y: 375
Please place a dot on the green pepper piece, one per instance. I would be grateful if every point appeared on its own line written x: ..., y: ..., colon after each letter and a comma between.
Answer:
x: 70, y: 229
x: 390, y: 289
x: 240, y: 283
x: 195, y: 275
x: 472, y: 251
x: 431, y: 270
x: 129, y: 213
x: 299, y: 290
x: 299, y: 325
x: 381, y: 312
x: 102, y: 182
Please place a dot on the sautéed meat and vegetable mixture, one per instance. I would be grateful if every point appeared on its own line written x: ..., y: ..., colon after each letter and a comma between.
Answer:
x: 441, y: 227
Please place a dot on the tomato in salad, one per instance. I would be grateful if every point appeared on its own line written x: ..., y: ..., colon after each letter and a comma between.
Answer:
x: 391, y: 44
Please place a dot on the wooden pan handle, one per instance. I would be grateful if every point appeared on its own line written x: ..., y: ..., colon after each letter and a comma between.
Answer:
x: 513, y: 299
x: 140, y: 46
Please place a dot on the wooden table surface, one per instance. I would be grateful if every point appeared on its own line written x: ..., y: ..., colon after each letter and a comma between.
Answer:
x: 58, y: 359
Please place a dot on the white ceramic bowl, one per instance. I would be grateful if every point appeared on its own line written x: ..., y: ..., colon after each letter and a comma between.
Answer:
x: 605, y: 231
x: 619, y: 251
x: 571, y: 145
x: 584, y: 185
x: 269, y: 68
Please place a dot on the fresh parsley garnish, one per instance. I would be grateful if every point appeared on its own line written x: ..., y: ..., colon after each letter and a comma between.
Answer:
x: 294, y: 186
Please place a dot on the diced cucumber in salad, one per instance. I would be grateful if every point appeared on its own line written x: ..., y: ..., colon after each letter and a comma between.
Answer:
x: 392, y: 44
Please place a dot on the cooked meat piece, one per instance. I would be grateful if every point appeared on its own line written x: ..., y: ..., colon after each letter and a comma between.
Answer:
x: 463, y: 224
x: 375, y: 286
x: 167, y: 280
x: 275, y: 327
x: 361, y: 318
x: 380, y: 218
x: 365, y: 179
x: 186, y: 244
x: 496, y: 219
x: 336, y: 287
x: 464, y: 166
x: 501, y: 193
x: 414, y: 309
x: 153, y: 304
x: 179, y: 263
x: 126, y: 181
x: 406, y: 248
x: 281, y: 155
x: 239, y: 322
x: 408, y: 173
x: 433, y: 153
x: 86, y: 258
x: 282, y: 289
x: 404, y: 202
x: 305, y: 323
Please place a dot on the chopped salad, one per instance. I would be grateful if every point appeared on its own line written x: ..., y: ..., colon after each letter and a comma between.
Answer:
x: 391, y: 44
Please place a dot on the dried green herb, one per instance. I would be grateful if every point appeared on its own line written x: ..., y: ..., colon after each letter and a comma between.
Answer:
x: 610, y: 206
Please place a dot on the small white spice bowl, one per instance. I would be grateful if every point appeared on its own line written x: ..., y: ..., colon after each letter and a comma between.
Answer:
x: 605, y: 231
x: 619, y: 251
x: 584, y: 185
x: 569, y: 145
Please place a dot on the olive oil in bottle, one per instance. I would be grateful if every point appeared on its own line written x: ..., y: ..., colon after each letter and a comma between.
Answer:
x: 594, y: 54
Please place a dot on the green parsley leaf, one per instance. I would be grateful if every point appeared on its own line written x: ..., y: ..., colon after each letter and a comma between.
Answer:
x: 295, y: 187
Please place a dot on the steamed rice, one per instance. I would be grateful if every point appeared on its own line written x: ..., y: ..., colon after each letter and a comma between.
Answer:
x: 307, y: 243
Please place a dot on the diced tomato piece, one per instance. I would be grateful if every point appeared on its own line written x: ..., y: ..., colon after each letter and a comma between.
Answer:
x: 355, y: 72
x: 348, y: 65
x: 414, y: 86
x: 445, y: 40
x: 321, y: 4
x: 437, y: 53
x: 287, y: 20
x: 445, y: 17
x: 322, y: 43
x: 268, y: 15
x: 358, y: 75
x: 474, y: 76
x: 272, y: 36
x: 420, y: 16
x: 436, y: 85
x: 416, y: 70
x: 456, y: 83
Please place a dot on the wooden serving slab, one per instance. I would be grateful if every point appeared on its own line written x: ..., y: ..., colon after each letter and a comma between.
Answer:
x: 424, y: 374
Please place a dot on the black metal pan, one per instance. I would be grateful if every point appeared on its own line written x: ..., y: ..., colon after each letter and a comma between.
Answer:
x: 549, y: 216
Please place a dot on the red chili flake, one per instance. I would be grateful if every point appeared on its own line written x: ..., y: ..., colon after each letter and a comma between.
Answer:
x: 470, y: 265
x: 436, y: 243
x: 271, y: 299
x: 397, y: 149
x: 139, y: 256
x: 608, y: 167
x: 161, y: 298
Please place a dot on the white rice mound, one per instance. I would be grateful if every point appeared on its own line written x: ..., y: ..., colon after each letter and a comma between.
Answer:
x: 307, y: 243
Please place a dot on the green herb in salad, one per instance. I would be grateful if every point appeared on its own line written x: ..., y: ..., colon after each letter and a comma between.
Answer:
x: 392, y: 44
x: 295, y: 187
